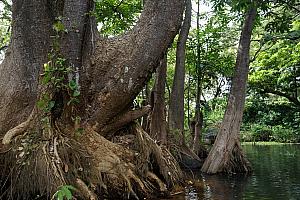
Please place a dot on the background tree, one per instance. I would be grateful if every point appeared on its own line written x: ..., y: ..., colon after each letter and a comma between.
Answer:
x: 272, y: 110
x: 212, y: 67
x: 176, y: 108
x: 226, y: 154
x: 158, y: 124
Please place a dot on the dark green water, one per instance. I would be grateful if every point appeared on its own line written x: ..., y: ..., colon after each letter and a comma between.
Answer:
x: 276, y: 176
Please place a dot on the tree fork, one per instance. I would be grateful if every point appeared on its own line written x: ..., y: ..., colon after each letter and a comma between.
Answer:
x: 111, y: 74
x: 134, y: 58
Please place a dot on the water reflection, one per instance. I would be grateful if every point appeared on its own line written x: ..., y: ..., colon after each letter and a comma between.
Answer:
x: 276, y: 176
x: 191, y: 193
x: 214, y: 187
x: 276, y: 172
x: 224, y: 187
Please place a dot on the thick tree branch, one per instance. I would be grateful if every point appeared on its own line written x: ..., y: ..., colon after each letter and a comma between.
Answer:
x: 124, y: 64
x: 75, y: 20
x: 292, y: 99
x: 125, y: 119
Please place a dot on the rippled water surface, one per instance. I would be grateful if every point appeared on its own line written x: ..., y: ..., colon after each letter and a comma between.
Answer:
x: 276, y: 176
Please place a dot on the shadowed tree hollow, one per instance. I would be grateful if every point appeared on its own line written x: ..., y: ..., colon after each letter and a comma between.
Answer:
x: 66, y: 91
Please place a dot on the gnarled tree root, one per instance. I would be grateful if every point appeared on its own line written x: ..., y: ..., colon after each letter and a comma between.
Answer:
x: 237, y: 163
x: 87, y: 193
x: 94, y: 165
x: 227, y: 159
x: 18, y: 130
x: 134, y: 168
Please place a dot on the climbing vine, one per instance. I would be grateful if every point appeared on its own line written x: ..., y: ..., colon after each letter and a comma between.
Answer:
x: 60, y: 89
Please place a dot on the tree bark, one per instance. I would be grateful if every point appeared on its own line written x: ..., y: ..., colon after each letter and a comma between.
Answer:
x: 134, y: 59
x: 176, y: 109
x: 198, y: 120
x: 197, y: 134
x: 158, y: 129
x: 27, y: 52
x: 226, y: 154
x: 71, y: 150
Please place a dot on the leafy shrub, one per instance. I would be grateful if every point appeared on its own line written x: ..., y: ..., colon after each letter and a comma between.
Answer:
x: 256, y: 132
x: 64, y: 192
x: 261, y: 132
x: 282, y: 134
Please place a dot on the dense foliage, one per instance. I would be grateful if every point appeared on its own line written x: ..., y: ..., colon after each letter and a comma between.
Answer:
x: 272, y: 108
x: 116, y: 16
x: 5, y: 29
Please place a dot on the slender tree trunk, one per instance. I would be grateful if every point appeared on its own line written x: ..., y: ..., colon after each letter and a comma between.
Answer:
x: 158, y: 130
x: 176, y: 109
x: 81, y: 94
x: 146, y: 101
x: 226, y: 154
x: 198, y: 121
x: 197, y: 135
x: 188, y: 101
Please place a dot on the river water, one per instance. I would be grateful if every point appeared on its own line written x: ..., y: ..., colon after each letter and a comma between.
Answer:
x: 276, y: 176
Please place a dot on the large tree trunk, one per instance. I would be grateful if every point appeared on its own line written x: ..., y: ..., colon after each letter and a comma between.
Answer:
x: 226, y: 154
x: 30, y: 43
x: 176, y: 109
x: 88, y: 95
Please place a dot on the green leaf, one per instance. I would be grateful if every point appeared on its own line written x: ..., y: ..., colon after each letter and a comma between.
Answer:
x: 73, y: 101
x: 45, y: 119
x: 67, y: 193
x: 60, y: 195
x: 64, y: 192
x: 72, y: 85
x: 51, y: 105
x: 58, y: 26
x: 46, y: 78
x: 70, y: 187
x: 46, y: 66
x: 41, y: 104
x: 79, y: 131
x: 76, y: 93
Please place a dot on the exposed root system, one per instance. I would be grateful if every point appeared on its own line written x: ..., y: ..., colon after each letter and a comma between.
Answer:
x: 228, y: 158
x: 237, y: 163
x: 36, y: 166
